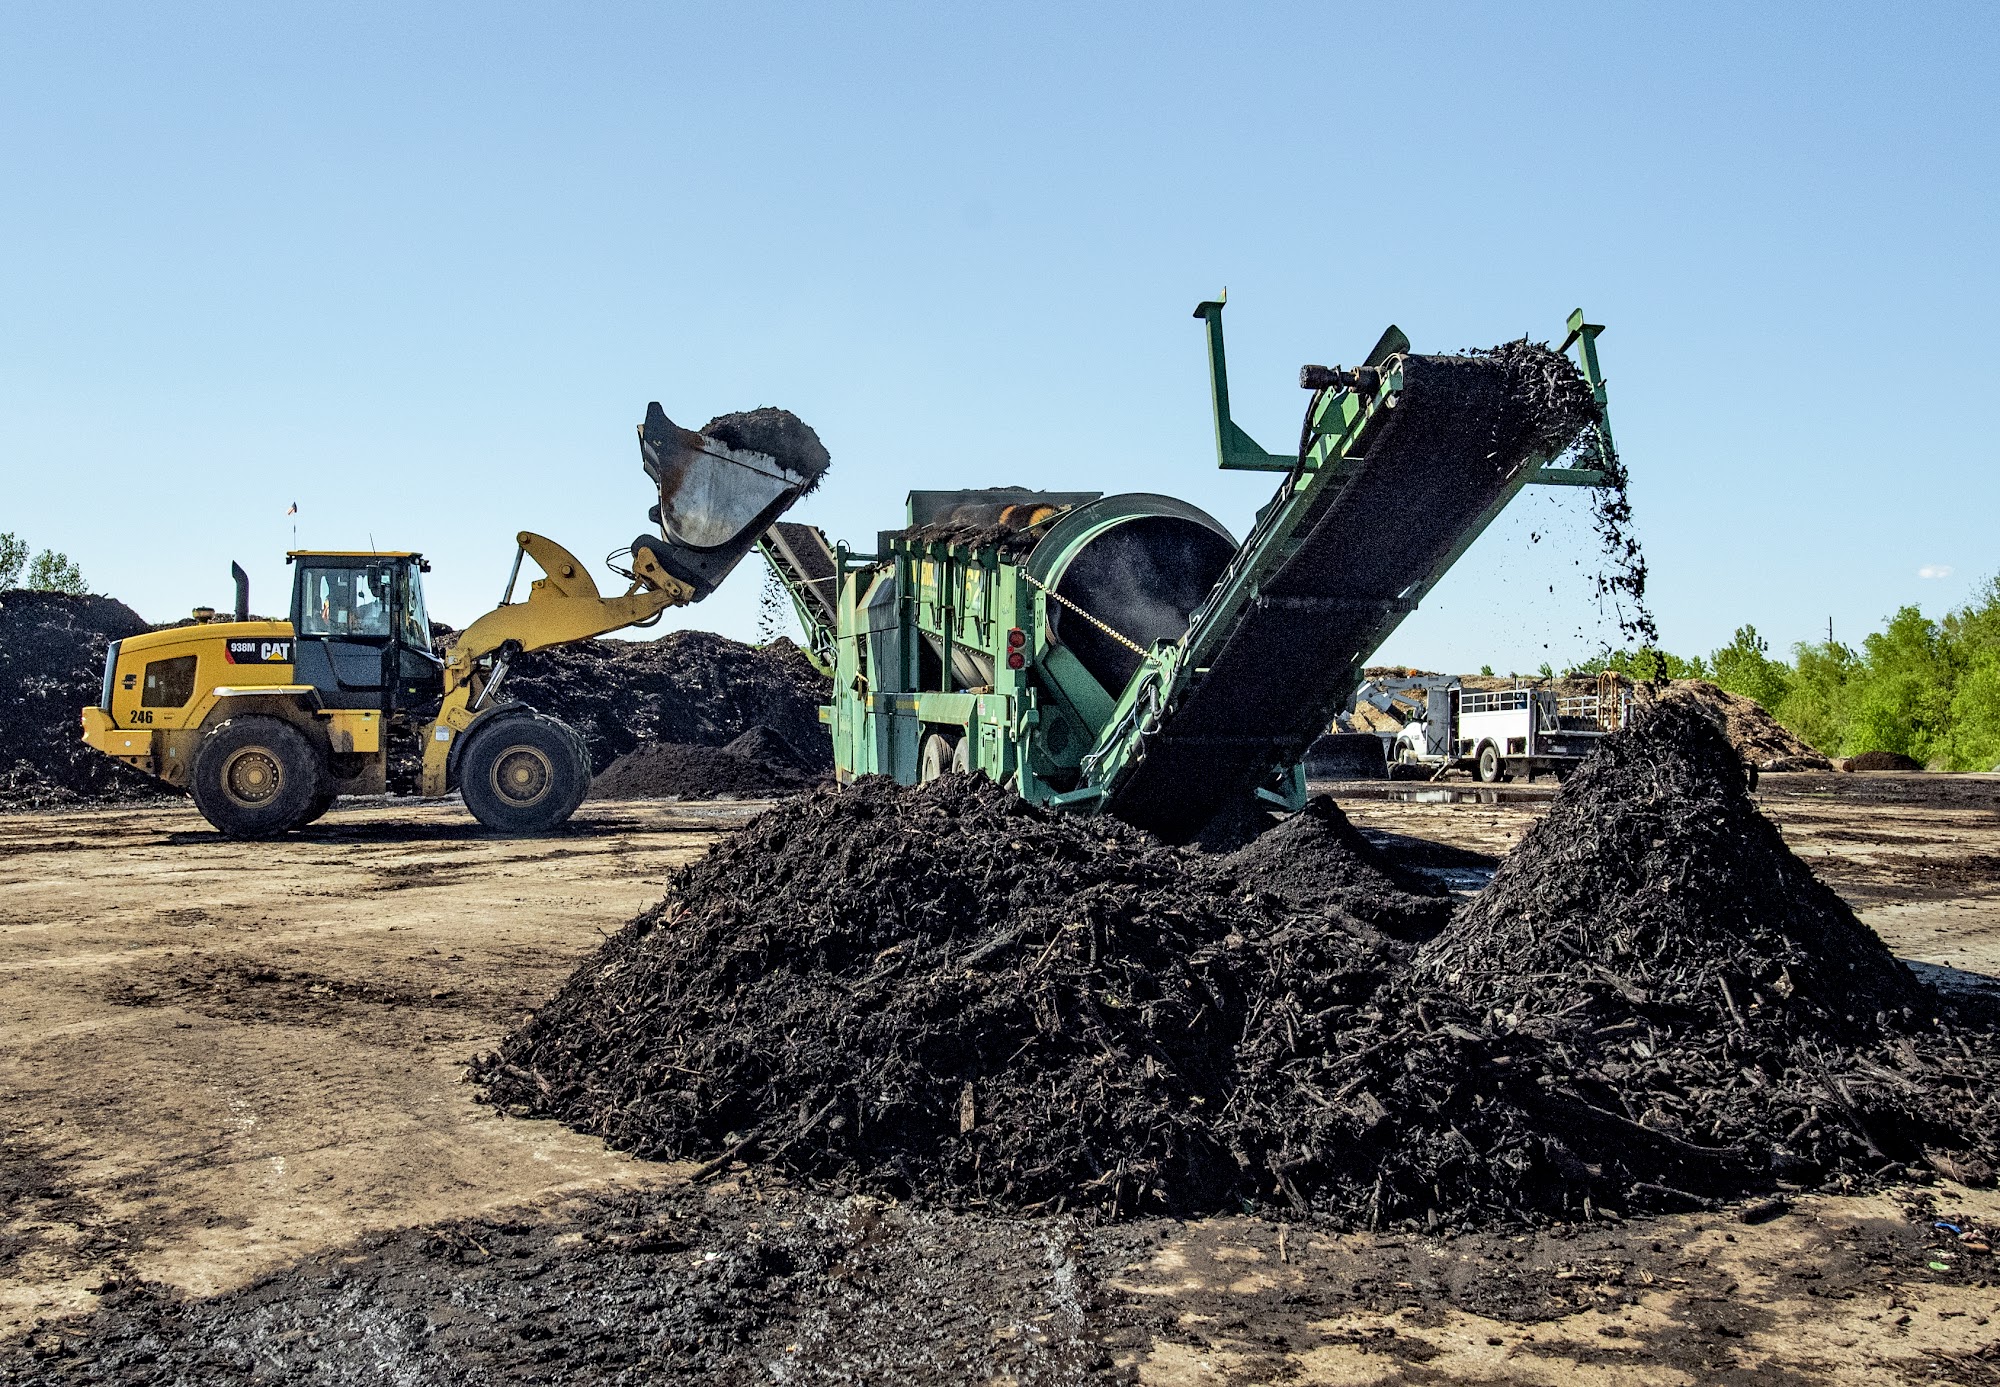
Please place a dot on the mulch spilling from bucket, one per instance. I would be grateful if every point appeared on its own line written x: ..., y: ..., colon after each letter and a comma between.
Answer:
x: 51, y: 665
x: 947, y: 995
x: 760, y: 762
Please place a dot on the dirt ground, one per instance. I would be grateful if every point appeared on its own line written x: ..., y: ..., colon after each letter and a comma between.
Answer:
x: 225, y: 1062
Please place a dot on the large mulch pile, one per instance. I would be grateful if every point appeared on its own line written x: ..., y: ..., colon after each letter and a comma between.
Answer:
x: 693, y: 688
x: 945, y: 994
x: 1653, y: 1005
x: 1316, y: 862
x: 941, y: 991
x: 760, y: 762
x: 1759, y: 738
x: 1882, y: 761
x: 52, y: 666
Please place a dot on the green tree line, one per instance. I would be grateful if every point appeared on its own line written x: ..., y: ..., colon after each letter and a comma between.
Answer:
x: 47, y: 571
x: 1927, y: 689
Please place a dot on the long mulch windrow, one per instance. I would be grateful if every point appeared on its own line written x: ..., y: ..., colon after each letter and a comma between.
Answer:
x: 693, y: 688
x: 945, y: 995
x: 758, y: 763
x: 52, y: 648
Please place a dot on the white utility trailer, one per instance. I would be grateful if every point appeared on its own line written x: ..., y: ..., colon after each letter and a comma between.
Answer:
x: 1498, y: 734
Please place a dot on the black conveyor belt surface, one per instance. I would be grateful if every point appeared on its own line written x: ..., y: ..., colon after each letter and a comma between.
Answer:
x: 1435, y: 465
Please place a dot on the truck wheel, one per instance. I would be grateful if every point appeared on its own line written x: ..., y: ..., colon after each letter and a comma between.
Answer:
x: 524, y: 775
x: 1489, y: 764
x: 961, y: 759
x: 935, y: 759
x: 256, y: 777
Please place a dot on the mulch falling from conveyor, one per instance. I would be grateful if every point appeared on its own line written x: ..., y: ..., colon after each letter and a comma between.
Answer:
x: 946, y: 995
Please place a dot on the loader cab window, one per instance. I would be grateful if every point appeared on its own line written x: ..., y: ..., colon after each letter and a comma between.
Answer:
x: 416, y: 630
x: 346, y: 601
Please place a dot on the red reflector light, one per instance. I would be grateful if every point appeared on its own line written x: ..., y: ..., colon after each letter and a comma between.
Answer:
x: 1016, y: 660
x: 1016, y: 638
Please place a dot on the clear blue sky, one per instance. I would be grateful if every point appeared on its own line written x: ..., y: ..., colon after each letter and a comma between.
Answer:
x: 420, y: 268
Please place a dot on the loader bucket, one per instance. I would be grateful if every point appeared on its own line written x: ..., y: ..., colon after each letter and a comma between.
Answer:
x: 721, y: 488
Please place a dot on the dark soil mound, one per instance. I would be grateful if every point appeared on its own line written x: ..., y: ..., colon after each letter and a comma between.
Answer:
x: 1654, y: 862
x: 1654, y: 1004
x: 944, y: 993
x: 777, y: 433
x: 1317, y: 860
x: 673, y: 770
x: 691, y: 687
x: 941, y: 991
x: 768, y: 745
x: 51, y: 666
x: 1883, y: 761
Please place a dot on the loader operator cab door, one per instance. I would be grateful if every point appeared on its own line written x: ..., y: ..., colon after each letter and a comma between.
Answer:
x: 364, y: 637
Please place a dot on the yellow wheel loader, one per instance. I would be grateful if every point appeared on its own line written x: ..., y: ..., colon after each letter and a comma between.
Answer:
x: 266, y: 723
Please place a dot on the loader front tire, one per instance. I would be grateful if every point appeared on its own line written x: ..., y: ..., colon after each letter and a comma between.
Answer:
x: 257, y: 777
x: 524, y: 775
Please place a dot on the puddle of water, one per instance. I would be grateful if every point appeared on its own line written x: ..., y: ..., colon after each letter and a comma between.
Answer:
x: 1444, y: 794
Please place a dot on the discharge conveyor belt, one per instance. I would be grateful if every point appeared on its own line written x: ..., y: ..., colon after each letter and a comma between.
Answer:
x: 1335, y: 562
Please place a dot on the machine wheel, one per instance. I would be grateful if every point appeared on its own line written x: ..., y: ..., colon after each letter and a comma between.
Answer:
x: 961, y: 758
x: 1489, y: 765
x: 524, y: 775
x: 257, y: 777
x: 936, y: 758
x: 319, y: 807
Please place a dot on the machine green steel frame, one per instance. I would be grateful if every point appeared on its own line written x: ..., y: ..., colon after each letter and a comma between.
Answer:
x: 919, y: 638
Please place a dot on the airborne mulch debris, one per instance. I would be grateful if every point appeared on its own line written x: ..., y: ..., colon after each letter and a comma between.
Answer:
x: 947, y: 995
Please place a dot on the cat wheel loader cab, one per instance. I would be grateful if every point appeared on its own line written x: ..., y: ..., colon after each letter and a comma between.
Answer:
x: 266, y: 723
x: 363, y: 636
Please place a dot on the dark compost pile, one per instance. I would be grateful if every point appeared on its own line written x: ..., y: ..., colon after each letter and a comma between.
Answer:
x: 941, y: 991
x: 1883, y: 761
x: 690, y: 687
x: 1317, y: 861
x: 948, y: 995
x: 51, y: 666
x: 1654, y: 1004
x: 760, y: 762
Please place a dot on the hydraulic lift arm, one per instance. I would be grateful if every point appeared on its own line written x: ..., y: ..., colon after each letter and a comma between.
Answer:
x: 562, y: 607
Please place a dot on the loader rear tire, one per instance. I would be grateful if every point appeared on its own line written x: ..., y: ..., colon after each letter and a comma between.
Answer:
x: 257, y: 777
x: 524, y: 775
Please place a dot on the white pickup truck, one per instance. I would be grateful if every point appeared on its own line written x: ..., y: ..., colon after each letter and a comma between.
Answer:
x: 1498, y: 734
